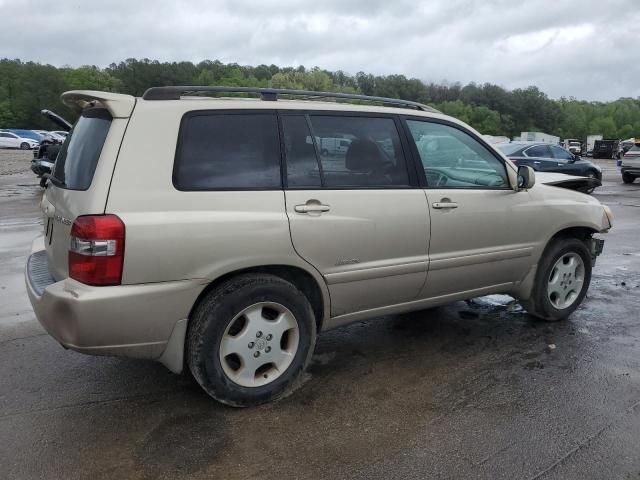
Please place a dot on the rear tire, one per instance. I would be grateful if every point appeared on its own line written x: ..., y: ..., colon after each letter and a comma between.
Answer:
x: 626, y: 178
x: 250, y: 340
x: 25, y: 146
x: 562, y: 280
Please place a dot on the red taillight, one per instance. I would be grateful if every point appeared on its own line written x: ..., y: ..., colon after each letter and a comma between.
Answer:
x: 96, y: 252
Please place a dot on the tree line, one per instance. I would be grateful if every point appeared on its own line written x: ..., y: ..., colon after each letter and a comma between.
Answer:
x: 28, y: 87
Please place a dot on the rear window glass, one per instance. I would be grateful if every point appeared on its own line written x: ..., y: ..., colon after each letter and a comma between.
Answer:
x: 223, y: 151
x: 77, y: 160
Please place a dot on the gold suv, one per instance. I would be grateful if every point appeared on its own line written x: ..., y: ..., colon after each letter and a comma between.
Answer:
x: 224, y: 233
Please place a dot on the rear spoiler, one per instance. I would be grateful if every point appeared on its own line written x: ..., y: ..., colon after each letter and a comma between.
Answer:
x: 119, y: 105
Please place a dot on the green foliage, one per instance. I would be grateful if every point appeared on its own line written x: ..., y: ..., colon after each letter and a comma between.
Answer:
x: 28, y: 87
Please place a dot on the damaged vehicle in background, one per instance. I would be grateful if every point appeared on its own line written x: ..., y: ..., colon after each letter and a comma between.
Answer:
x: 45, y: 155
x: 546, y: 157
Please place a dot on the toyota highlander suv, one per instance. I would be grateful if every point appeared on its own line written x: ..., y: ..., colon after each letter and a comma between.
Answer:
x: 216, y: 234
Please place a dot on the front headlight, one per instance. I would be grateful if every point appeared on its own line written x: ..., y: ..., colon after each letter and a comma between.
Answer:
x: 609, y: 214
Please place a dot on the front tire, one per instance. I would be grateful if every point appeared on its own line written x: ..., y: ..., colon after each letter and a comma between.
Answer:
x: 25, y: 146
x: 592, y: 175
x: 250, y: 340
x: 562, y: 280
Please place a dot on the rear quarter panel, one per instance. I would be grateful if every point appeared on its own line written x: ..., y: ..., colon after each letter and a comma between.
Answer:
x: 176, y: 235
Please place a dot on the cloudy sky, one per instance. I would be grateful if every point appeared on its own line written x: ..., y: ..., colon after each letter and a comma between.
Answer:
x: 589, y: 49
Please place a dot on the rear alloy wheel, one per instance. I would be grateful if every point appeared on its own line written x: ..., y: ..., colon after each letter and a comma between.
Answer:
x: 25, y: 146
x: 626, y: 178
x: 562, y: 280
x: 250, y: 340
x: 259, y: 344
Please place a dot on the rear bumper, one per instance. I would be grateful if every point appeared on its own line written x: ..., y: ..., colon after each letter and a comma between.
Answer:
x: 128, y: 320
x: 631, y: 170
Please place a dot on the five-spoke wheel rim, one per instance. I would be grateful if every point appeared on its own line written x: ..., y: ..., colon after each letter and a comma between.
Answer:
x: 566, y: 280
x: 259, y: 344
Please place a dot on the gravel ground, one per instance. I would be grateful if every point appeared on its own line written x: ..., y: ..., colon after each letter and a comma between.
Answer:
x: 15, y: 161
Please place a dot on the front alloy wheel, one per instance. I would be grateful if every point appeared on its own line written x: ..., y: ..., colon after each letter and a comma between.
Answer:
x: 562, y: 279
x: 566, y: 280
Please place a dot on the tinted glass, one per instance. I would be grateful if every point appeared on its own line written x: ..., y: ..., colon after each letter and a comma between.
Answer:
x: 300, y: 153
x: 541, y: 151
x: 77, y: 160
x: 453, y: 159
x: 560, y: 153
x: 228, y: 151
x: 359, y: 151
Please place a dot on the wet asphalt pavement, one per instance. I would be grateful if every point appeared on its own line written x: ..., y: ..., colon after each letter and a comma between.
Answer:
x: 471, y: 390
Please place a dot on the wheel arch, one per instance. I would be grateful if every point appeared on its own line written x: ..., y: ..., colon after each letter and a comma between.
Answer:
x: 582, y: 232
x: 305, y: 281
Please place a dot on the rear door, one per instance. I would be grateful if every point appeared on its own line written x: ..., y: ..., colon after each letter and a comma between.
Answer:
x: 540, y: 158
x: 356, y: 214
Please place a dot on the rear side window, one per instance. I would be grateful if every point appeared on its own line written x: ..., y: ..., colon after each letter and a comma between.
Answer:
x: 359, y: 151
x: 540, y: 151
x: 226, y: 151
x: 77, y: 160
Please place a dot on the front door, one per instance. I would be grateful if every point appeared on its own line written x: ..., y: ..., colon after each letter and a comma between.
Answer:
x: 356, y: 214
x: 481, y: 229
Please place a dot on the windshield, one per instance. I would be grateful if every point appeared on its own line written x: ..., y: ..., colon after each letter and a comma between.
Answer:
x: 78, y: 157
x: 508, y: 148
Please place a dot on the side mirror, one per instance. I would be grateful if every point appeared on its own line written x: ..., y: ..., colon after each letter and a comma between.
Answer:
x: 574, y: 158
x: 526, y: 177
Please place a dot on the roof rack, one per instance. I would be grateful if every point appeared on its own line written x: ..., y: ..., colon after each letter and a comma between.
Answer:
x: 271, y: 94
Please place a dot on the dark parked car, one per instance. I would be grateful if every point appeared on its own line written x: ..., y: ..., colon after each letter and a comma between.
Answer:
x: 606, y: 149
x: 546, y: 157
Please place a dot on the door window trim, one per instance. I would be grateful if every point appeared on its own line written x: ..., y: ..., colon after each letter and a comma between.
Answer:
x: 405, y: 146
x: 417, y: 160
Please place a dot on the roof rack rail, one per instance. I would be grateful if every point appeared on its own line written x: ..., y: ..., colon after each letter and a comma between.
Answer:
x: 271, y: 94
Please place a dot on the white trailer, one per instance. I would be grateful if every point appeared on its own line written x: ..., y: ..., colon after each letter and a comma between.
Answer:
x: 591, y: 141
x: 540, y: 137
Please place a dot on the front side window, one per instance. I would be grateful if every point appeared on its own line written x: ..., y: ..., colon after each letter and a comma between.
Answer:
x: 452, y: 158
x: 359, y: 151
x: 225, y: 151
x: 560, y: 153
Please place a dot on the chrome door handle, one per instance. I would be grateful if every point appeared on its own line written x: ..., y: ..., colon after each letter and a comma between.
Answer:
x: 314, y: 207
x: 441, y: 205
